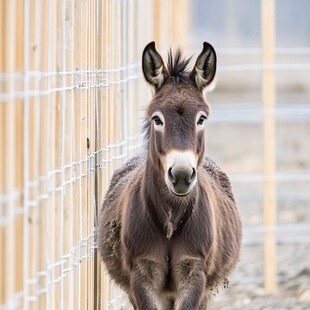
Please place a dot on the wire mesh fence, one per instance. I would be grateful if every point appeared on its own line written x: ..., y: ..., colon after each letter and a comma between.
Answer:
x: 70, y: 105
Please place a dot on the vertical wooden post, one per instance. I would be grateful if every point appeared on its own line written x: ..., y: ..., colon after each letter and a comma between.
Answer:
x: 43, y: 151
x: 269, y: 159
x: 156, y: 9
x: 30, y: 155
x: 83, y: 229
x: 67, y: 147
x: 77, y: 154
x: 57, y: 35
x: 2, y: 143
x: 92, y: 148
x: 19, y: 151
x: 53, y: 122
x: 106, y: 135
x: 7, y: 149
x: 98, y: 63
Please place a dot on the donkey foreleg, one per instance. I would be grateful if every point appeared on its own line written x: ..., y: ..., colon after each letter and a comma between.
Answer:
x: 147, y: 281
x: 190, y: 280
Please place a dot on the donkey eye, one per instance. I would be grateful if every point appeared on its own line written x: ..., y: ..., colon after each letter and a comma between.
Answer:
x: 157, y: 120
x: 201, y: 120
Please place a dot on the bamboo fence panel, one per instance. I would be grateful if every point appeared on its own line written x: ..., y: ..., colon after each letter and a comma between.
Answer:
x: 71, y: 100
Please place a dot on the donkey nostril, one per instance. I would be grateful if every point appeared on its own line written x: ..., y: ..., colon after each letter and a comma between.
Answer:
x: 171, y: 177
x: 192, y: 177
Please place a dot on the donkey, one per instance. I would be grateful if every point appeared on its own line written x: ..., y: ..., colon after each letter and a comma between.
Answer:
x: 169, y: 230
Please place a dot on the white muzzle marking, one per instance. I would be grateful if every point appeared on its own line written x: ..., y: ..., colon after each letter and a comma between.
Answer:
x: 180, y: 171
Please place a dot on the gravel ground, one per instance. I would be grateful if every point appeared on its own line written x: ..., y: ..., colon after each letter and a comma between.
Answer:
x: 246, y: 286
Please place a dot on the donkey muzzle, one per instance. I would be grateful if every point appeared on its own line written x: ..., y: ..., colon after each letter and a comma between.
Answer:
x: 181, y: 174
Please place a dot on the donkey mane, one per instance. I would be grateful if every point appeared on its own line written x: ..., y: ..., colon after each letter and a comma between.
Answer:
x: 177, y: 65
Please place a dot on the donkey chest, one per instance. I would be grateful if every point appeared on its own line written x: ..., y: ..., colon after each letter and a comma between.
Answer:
x: 183, y: 231
x: 191, y: 236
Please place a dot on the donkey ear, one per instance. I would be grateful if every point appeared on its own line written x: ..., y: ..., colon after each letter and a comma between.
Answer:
x: 205, y: 67
x: 153, y: 66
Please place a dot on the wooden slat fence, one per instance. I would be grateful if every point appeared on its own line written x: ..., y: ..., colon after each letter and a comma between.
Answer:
x: 70, y: 107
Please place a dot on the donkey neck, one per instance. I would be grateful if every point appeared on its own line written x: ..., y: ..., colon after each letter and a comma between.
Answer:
x: 168, y: 210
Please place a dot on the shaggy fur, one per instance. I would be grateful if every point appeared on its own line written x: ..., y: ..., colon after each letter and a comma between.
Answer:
x: 165, y: 251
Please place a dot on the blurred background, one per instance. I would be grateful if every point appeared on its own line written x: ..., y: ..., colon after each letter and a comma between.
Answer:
x: 71, y: 101
x: 248, y: 119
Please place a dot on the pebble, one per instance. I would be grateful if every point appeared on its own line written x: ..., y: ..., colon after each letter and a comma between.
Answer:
x: 305, y: 296
x: 246, y: 301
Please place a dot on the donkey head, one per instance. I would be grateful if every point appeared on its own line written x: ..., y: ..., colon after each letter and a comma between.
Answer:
x: 177, y: 114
